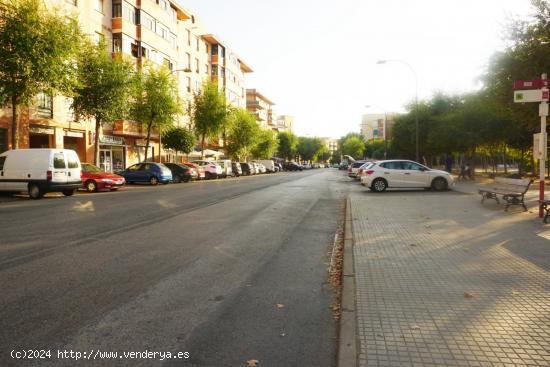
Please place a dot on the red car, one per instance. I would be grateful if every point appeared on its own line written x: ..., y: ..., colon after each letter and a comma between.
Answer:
x: 94, y: 179
x: 200, y: 170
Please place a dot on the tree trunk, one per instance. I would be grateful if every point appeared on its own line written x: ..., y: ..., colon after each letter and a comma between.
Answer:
x: 14, y: 127
x: 202, y: 145
x: 520, y: 168
x: 504, y: 159
x: 96, y: 140
x: 149, y: 126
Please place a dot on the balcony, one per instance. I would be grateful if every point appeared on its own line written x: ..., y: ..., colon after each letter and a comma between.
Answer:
x: 132, y: 129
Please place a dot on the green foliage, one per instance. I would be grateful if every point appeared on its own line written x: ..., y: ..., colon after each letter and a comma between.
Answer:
x: 375, y: 149
x: 266, y: 145
x: 209, y: 111
x: 352, y: 145
x: 288, y: 144
x: 37, y: 52
x: 323, y: 154
x: 308, y: 148
x: 242, y: 135
x: 155, y: 102
x: 103, y: 88
x: 179, y: 139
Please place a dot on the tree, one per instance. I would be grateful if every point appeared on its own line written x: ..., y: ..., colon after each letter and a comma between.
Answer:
x: 37, y: 52
x: 179, y: 139
x: 104, y: 85
x: 288, y: 144
x: 155, y: 102
x: 323, y: 154
x: 242, y: 134
x: 209, y: 111
x: 308, y: 148
x: 353, y: 146
x: 266, y: 145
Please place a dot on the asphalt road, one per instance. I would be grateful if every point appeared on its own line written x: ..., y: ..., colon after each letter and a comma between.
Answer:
x: 228, y: 271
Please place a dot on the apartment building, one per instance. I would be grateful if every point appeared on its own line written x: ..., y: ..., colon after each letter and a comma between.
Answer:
x: 285, y: 123
x: 161, y: 32
x: 261, y: 107
x: 373, y: 125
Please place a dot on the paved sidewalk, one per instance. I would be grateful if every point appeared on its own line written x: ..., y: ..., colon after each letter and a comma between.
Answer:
x: 444, y: 281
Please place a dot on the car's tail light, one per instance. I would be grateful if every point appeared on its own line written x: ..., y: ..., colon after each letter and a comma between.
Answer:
x: 49, y: 175
x: 349, y: 169
x: 369, y: 172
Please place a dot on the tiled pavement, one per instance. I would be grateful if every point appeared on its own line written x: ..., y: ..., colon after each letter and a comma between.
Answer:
x: 444, y: 281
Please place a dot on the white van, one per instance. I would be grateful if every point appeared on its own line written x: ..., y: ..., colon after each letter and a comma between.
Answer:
x: 38, y: 171
x: 268, y: 163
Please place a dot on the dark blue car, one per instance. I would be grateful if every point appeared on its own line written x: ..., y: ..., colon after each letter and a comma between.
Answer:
x: 150, y: 172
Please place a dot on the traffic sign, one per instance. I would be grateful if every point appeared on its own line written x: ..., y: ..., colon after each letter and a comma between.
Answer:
x: 528, y: 95
x: 531, y: 84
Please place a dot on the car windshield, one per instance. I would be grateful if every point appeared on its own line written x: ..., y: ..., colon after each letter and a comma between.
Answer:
x: 90, y: 168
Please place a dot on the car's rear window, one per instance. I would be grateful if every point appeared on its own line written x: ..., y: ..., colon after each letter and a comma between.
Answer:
x: 59, y: 161
x: 2, y: 160
x: 357, y: 164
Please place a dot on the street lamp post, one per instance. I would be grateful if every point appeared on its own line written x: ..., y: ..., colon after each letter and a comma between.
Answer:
x: 415, y: 99
x: 385, y: 127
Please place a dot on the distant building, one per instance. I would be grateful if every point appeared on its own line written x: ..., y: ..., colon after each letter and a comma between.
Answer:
x: 372, y: 126
x: 285, y: 123
x: 261, y: 107
x: 331, y: 144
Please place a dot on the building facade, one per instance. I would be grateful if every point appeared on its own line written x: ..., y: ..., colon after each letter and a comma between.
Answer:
x: 285, y: 123
x: 160, y: 32
x: 373, y: 126
x: 262, y: 108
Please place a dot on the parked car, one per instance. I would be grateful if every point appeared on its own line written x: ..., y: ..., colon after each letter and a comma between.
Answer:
x: 354, y: 167
x: 292, y: 166
x: 268, y: 164
x: 147, y: 172
x: 211, y: 169
x: 39, y: 171
x: 343, y: 166
x: 94, y: 179
x: 362, y: 169
x: 181, y: 172
x: 404, y: 174
x: 236, y: 169
x: 280, y: 166
x: 201, y: 174
x: 247, y: 169
x: 261, y: 168
x: 254, y: 168
x: 227, y: 169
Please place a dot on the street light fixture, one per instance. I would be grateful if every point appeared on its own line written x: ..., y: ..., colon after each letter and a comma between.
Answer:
x: 381, y: 62
x: 385, y: 127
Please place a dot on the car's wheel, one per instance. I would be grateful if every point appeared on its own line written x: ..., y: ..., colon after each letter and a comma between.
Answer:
x: 379, y: 185
x: 439, y: 184
x: 154, y: 180
x: 35, y: 192
x: 68, y: 192
x: 177, y: 179
x: 91, y: 186
x: 208, y: 176
x: 187, y: 179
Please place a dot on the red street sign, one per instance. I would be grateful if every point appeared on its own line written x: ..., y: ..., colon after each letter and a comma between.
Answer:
x: 545, y: 95
x: 530, y: 84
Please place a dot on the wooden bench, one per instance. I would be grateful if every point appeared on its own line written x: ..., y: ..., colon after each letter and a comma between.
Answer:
x: 512, y: 191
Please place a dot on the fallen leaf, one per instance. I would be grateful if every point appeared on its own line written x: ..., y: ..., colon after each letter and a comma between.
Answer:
x: 283, y: 334
x: 415, y: 327
x: 252, y: 363
x: 468, y: 295
x: 413, y: 244
x: 515, y: 293
x: 280, y: 305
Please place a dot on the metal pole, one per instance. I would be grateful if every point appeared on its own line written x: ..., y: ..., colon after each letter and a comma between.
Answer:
x: 385, y: 136
x: 542, y: 144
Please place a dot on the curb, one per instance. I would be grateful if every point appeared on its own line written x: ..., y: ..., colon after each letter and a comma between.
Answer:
x: 347, y: 347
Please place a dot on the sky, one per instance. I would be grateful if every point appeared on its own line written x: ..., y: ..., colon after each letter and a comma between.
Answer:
x: 317, y: 59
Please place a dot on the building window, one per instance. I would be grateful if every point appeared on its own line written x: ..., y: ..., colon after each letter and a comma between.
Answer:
x: 117, y: 42
x: 188, y: 61
x: 147, y: 21
x: 69, y: 111
x: 135, y: 49
x: 129, y: 13
x: 214, y: 50
x: 99, y: 6
x: 45, y: 105
x: 198, y: 43
x: 206, y: 69
x: 197, y: 69
x: 214, y: 70
x: 117, y: 8
x: 72, y: 2
x: 188, y: 85
x: 188, y: 37
x: 173, y: 15
x: 172, y: 40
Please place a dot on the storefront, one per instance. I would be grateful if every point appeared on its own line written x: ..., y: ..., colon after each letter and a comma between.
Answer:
x: 140, y: 150
x: 3, y: 140
x: 112, y: 153
x: 41, y: 136
x: 75, y: 140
